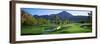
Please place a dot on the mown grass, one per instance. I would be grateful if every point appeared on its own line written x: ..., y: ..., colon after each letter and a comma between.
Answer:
x: 38, y: 30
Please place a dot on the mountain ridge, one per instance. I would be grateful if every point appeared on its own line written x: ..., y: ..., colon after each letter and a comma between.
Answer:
x: 64, y: 16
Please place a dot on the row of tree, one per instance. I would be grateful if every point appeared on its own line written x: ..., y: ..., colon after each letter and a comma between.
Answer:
x: 27, y: 19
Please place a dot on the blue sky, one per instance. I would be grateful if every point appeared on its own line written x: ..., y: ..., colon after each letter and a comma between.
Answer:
x: 38, y: 11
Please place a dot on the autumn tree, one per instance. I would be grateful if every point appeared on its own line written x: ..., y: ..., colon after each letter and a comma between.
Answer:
x: 27, y: 19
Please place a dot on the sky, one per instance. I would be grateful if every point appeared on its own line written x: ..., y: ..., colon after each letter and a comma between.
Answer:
x: 39, y: 11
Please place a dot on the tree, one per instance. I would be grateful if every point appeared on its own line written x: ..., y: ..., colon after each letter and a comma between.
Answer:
x: 58, y: 20
x: 81, y: 21
x: 27, y: 19
x: 90, y: 17
x: 42, y: 21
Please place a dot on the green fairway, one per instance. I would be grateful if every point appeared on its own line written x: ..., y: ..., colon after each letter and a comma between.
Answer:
x: 65, y: 28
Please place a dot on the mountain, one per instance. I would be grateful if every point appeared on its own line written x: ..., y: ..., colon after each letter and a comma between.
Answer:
x: 64, y: 16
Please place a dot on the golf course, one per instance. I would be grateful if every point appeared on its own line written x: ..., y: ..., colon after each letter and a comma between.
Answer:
x: 64, y: 29
x: 62, y: 22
